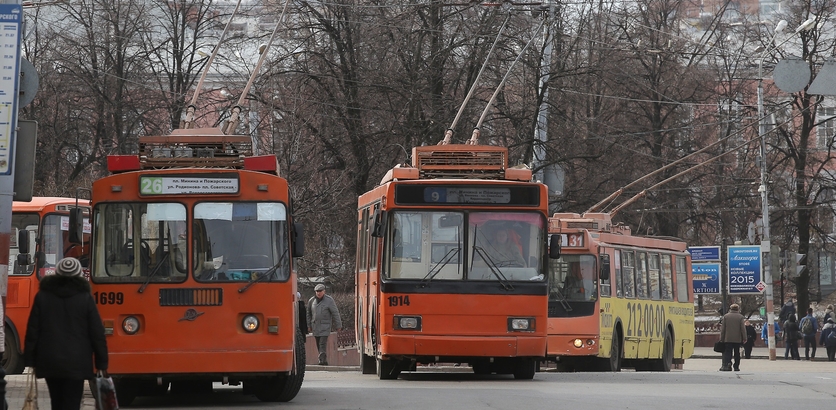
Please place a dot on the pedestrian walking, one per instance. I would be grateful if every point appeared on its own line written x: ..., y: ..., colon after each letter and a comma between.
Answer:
x: 732, y: 334
x: 829, y: 313
x: 65, y: 335
x: 809, y: 327
x: 786, y: 311
x: 792, y: 334
x: 322, y: 317
x: 828, y: 338
x: 751, y: 335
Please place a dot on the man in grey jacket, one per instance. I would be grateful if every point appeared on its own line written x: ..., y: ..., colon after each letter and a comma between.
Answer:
x: 733, y: 334
x: 322, y: 315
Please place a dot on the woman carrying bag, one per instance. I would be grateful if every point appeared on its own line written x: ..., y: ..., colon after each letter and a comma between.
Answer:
x: 65, y: 334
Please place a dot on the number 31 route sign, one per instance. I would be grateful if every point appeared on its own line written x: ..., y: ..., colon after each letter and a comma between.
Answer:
x: 745, y: 269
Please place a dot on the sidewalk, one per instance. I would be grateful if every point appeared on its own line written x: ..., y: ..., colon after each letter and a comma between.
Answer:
x: 758, y: 353
x: 16, y: 393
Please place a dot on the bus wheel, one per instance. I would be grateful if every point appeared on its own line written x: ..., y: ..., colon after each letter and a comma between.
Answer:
x: 666, y: 362
x: 126, y: 391
x: 615, y: 353
x: 368, y: 365
x: 524, y: 369
x: 388, y: 369
x: 284, y: 387
x: 12, y: 360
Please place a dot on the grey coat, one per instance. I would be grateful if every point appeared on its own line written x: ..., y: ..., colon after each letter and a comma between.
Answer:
x: 323, y: 316
x: 732, y: 330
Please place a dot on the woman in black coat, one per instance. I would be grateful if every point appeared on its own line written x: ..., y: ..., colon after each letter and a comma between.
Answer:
x: 64, y: 334
x: 751, y: 335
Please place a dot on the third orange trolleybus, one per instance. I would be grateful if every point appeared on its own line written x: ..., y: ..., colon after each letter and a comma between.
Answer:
x: 452, y: 264
x: 618, y: 299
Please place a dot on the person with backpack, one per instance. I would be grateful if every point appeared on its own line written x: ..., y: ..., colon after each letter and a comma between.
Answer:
x: 828, y: 338
x: 809, y: 328
x: 786, y: 311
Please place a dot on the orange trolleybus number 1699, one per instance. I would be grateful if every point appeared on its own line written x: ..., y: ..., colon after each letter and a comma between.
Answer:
x: 192, y: 267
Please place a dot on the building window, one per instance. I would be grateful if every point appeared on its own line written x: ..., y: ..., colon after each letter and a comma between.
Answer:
x: 826, y: 128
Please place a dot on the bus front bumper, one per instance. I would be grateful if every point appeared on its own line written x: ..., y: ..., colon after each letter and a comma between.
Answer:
x: 464, y: 346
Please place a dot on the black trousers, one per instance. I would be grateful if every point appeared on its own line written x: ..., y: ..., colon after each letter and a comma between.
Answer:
x: 732, y: 350
x: 65, y: 394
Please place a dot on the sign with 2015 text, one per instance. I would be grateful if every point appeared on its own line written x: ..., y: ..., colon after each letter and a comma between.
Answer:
x: 745, y: 272
x: 179, y: 185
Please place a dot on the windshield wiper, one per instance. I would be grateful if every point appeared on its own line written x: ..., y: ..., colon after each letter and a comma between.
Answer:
x: 435, y: 270
x: 493, y: 268
x: 268, y: 273
x: 153, y: 272
x: 562, y: 300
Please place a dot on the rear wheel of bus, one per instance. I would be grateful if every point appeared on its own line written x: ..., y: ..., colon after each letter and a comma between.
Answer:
x: 666, y: 362
x: 284, y: 387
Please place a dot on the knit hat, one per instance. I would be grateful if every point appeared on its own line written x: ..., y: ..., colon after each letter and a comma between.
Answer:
x: 68, y: 267
x: 830, y: 307
x: 734, y: 307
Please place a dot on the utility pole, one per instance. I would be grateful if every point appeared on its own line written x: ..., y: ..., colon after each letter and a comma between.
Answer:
x: 11, y: 21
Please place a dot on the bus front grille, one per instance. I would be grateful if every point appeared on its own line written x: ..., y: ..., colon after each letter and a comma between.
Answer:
x: 191, y: 297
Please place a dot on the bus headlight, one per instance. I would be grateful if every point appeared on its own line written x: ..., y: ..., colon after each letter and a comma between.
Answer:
x: 130, y: 325
x: 407, y: 323
x: 520, y: 324
x: 577, y: 343
x: 250, y: 323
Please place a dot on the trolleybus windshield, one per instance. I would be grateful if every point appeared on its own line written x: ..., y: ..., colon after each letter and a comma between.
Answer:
x: 494, y: 246
x: 573, y: 278
x: 141, y: 242
x: 241, y: 241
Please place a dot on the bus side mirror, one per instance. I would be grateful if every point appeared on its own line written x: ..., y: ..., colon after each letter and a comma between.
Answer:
x: 24, y: 259
x: 379, y: 221
x: 554, y: 246
x: 76, y: 225
x: 298, y: 240
x: 23, y: 241
x: 605, y: 267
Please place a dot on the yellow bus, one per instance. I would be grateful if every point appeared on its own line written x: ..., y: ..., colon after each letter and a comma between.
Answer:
x: 616, y: 299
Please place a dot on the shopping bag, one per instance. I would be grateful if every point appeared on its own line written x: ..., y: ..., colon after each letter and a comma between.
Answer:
x: 31, y: 402
x: 719, y: 347
x: 105, y: 393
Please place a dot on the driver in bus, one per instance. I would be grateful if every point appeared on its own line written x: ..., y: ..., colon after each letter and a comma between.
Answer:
x: 504, y: 251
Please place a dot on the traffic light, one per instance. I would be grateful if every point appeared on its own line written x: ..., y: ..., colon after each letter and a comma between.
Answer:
x: 800, y: 264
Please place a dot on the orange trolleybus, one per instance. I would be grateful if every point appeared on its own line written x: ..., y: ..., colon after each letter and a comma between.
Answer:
x: 452, y: 264
x: 40, y: 238
x: 192, y: 268
x: 617, y: 299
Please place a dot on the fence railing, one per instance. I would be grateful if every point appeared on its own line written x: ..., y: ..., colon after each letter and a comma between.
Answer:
x: 345, y: 338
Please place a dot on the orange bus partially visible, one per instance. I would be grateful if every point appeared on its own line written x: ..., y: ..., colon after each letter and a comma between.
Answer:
x: 452, y: 265
x: 192, y: 268
x: 39, y: 240
x: 616, y: 299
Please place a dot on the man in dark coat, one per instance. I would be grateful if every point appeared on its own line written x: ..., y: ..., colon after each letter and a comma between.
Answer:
x: 65, y: 334
x: 733, y: 334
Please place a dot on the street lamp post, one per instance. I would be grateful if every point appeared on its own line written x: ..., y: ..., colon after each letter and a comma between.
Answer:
x: 764, y: 190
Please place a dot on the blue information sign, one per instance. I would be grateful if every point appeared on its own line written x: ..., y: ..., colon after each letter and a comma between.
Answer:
x: 706, y: 278
x: 704, y: 253
x: 745, y: 273
x: 11, y: 16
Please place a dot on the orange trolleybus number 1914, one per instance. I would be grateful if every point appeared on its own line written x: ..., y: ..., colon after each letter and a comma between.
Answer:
x: 617, y: 299
x: 452, y: 262
x: 192, y: 268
